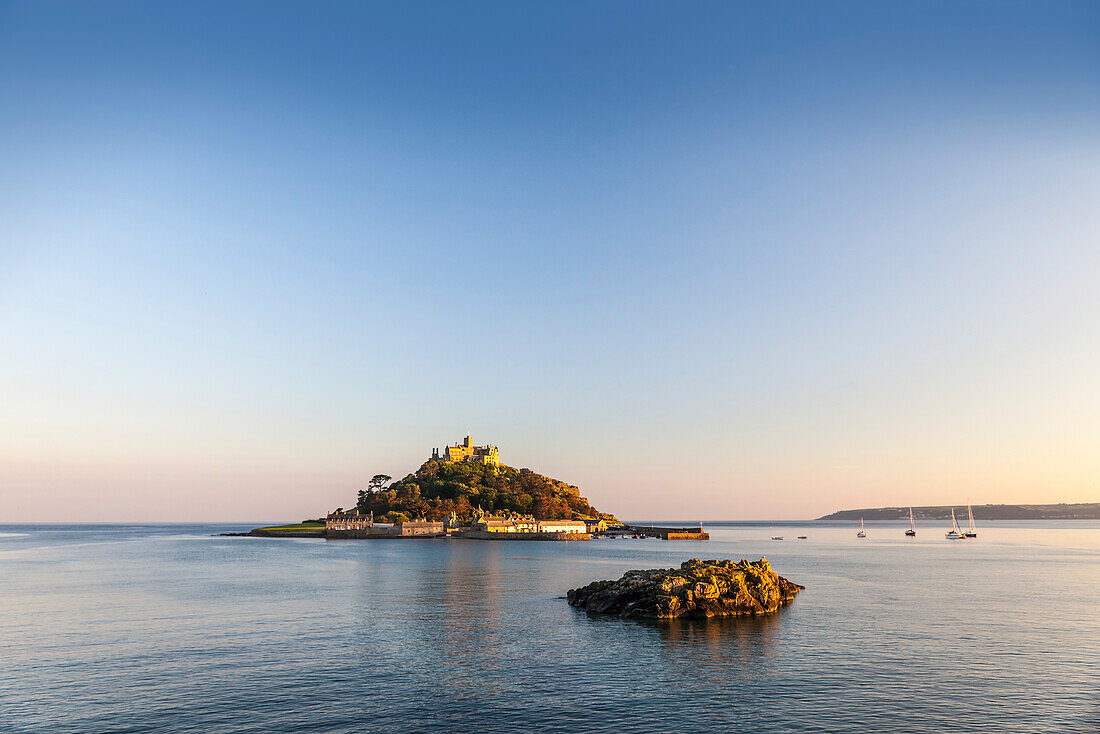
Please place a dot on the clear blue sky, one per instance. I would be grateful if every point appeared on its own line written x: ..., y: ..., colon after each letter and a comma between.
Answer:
x: 706, y: 260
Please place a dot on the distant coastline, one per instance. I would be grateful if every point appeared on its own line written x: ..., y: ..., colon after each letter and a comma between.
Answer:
x: 1078, y: 511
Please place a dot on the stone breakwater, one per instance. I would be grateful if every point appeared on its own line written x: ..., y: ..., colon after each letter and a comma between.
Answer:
x: 697, y: 589
x: 482, y: 535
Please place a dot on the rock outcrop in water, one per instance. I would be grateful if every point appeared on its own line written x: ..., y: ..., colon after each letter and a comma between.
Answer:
x: 697, y: 589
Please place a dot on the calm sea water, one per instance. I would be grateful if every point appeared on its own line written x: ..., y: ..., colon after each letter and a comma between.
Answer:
x: 165, y: 628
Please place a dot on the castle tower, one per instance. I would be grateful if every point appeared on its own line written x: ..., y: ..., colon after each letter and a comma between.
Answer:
x: 466, y: 451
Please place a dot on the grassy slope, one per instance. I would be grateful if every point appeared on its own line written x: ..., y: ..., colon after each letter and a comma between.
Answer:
x: 295, y: 528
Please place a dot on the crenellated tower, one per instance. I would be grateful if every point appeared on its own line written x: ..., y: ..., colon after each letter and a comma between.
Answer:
x: 466, y: 451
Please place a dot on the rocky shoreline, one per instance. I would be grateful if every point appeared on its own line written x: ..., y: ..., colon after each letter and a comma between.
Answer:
x: 698, y: 589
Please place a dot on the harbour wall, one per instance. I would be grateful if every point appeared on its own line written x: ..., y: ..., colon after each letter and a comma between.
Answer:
x: 695, y: 533
x: 483, y: 535
x: 379, y: 534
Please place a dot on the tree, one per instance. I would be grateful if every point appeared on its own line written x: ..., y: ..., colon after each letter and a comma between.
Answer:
x: 378, y: 481
x: 546, y: 509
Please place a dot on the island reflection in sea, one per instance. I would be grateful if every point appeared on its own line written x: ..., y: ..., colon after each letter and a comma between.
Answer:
x: 138, y: 628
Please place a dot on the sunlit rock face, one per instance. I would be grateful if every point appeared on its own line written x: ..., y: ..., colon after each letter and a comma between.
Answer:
x: 697, y: 589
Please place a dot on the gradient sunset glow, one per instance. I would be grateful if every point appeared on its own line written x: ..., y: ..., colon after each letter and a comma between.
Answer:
x: 714, y: 262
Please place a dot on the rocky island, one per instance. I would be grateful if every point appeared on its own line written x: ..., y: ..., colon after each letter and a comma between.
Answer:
x: 462, y: 491
x: 698, y: 589
x: 464, y: 478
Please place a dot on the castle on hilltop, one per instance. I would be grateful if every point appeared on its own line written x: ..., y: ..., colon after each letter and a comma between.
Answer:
x: 466, y: 451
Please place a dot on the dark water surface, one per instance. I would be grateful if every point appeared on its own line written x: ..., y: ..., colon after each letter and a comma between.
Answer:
x: 164, y: 628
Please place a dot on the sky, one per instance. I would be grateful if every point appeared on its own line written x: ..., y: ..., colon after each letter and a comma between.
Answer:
x: 704, y: 260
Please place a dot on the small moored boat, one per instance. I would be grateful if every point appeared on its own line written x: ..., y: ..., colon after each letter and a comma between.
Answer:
x: 912, y: 531
x: 972, y: 532
x: 862, y: 533
x: 954, y: 533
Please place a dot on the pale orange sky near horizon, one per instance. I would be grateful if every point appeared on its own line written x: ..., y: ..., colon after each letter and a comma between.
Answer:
x: 632, y: 484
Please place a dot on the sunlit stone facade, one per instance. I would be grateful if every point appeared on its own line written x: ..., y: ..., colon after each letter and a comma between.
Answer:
x: 466, y: 451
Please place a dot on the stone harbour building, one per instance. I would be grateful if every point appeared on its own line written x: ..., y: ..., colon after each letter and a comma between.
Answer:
x: 354, y: 525
x: 525, y: 525
x: 350, y: 520
x: 466, y: 451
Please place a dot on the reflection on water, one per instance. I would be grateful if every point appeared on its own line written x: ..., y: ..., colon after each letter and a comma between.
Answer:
x: 748, y: 639
x: 167, y: 628
x: 718, y: 652
x: 745, y: 638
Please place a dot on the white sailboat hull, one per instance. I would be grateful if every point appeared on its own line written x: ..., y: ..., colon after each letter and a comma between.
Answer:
x: 955, y: 532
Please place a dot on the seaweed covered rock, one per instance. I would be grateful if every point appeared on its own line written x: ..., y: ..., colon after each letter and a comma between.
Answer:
x: 696, y: 589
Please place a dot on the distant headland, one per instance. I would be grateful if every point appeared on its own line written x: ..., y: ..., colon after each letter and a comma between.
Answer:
x: 1079, y: 511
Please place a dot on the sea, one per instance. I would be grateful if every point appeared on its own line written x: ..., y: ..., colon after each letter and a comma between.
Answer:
x: 175, y: 628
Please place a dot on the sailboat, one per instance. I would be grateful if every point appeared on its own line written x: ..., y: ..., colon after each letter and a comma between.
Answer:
x: 954, y: 533
x: 912, y: 531
x: 862, y: 533
x: 972, y: 532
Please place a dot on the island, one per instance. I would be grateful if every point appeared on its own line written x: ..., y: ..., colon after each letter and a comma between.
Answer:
x: 463, y: 479
x: 1079, y: 511
x: 698, y: 589
x: 462, y: 491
